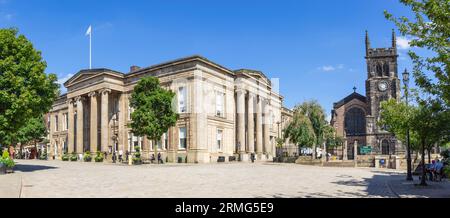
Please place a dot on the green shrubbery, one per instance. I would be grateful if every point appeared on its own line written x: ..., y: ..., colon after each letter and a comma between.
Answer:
x: 99, y: 157
x: 87, y: 156
x: 73, y: 157
x: 65, y: 157
x: 6, y: 160
x: 137, y: 155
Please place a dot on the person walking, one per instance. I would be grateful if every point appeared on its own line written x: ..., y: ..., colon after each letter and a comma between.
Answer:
x: 120, y: 156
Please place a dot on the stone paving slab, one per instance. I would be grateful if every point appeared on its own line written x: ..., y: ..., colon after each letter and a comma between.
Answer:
x: 410, y: 189
x: 54, y: 179
x: 10, y: 186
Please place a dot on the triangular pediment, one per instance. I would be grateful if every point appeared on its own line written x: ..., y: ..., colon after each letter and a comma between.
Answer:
x: 84, y: 75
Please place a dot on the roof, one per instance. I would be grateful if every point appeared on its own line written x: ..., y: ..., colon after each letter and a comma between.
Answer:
x: 176, y: 61
x: 349, y: 98
x: 257, y: 72
x: 96, y: 70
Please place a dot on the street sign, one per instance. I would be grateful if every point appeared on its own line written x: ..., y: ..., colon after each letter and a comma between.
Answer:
x: 366, y: 149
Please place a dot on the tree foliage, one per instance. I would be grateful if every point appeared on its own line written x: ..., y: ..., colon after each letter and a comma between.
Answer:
x: 300, y: 131
x: 428, y: 122
x: 153, y: 112
x: 430, y: 29
x: 26, y: 91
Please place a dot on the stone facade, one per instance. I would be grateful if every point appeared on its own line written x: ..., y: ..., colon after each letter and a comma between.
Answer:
x: 223, y: 113
x: 355, y: 117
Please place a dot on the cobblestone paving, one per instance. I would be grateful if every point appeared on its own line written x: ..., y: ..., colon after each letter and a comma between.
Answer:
x: 67, y: 179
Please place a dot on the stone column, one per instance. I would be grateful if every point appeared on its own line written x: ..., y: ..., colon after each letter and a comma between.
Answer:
x: 105, y: 119
x: 80, y: 125
x: 93, y: 123
x: 267, y: 146
x: 251, y: 123
x: 241, y: 121
x: 344, y: 155
x: 259, y: 131
x: 71, y: 126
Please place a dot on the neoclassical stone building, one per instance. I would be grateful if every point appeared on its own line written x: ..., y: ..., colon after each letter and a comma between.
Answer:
x: 355, y: 117
x: 223, y: 112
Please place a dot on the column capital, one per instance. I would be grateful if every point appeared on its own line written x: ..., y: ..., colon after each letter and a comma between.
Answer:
x: 241, y: 90
x: 105, y: 91
x: 93, y: 94
x: 251, y: 94
x: 79, y: 98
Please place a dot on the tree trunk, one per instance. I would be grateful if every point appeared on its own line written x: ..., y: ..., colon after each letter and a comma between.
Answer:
x: 314, y: 154
x: 429, y: 155
x: 423, y: 181
x: 155, y: 147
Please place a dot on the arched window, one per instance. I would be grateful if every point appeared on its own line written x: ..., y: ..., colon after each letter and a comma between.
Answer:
x: 379, y: 70
x: 385, y: 147
x: 386, y: 69
x: 355, y: 122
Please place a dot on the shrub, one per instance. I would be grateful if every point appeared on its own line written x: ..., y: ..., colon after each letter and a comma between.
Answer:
x: 99, y: 157
x: 73, y: 157
x: 43, y: 155
x: 445, y: 154
x: 87, y: 156
x: 137, y: 155
x: 447, y: 171
x: 65, y: 157
x: 5, y: 154
x: 9, y: 163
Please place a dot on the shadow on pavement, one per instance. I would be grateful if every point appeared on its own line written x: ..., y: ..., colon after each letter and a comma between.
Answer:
x: 26, y: 168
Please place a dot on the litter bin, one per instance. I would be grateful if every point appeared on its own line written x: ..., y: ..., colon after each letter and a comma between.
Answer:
x: 221, y: 159
x: 383, y: 163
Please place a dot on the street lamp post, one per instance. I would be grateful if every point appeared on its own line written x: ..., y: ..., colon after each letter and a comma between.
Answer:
x: 115, y: 136
x: 408, y: 146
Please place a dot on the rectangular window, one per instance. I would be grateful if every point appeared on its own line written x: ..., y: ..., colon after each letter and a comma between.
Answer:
x: 220, y: 104
x: 219, y: 139
x: 56, y: 123
x: 66, y: 121
x: 183, y: 138
x: 166, y: 141
x: 182, y: 100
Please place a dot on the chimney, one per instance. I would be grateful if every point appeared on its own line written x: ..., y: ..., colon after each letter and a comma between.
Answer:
x: 134, y: 68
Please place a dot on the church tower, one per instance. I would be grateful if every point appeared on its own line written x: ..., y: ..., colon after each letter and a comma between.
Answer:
x: 382, y: 75
x: 382, y: 84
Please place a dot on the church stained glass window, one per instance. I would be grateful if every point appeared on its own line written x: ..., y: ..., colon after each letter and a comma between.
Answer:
x: 355, y: 122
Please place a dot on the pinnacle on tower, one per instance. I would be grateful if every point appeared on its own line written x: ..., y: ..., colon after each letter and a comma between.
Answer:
x: 367, y: 43
x: 394, y: 40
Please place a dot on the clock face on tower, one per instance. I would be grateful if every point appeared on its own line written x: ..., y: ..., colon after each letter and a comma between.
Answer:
x: 382, y: 86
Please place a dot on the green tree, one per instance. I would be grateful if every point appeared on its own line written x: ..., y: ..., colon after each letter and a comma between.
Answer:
x: 153, y: 112
x: 300, y: 131
x: 34, y: 131
x: 316, y: 114
x: 26, y: 91
x: 431, y: 123
x: 429, y: 29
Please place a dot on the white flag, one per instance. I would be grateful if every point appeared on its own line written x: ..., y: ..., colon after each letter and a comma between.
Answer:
x: 89, y: 31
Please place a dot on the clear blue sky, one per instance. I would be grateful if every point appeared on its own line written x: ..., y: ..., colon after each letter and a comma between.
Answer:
x: 315, y: 48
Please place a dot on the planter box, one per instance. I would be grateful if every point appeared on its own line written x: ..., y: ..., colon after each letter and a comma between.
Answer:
x: 10, y: 170
x: 2, y: 169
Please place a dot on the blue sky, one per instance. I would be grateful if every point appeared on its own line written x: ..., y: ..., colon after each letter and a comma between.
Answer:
x: 315, y: 48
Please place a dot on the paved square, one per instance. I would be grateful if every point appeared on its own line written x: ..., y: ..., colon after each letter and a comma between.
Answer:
x: 69, y: 179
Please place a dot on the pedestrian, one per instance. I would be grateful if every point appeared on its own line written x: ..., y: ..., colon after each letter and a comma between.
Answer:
x: 160, y: 159
x: 11, y: 152
x: 152, y: 158
x: 252, y: 157
x: 120, y: 156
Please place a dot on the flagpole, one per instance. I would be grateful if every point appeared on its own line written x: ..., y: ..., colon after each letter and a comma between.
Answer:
x: 90, y: 50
